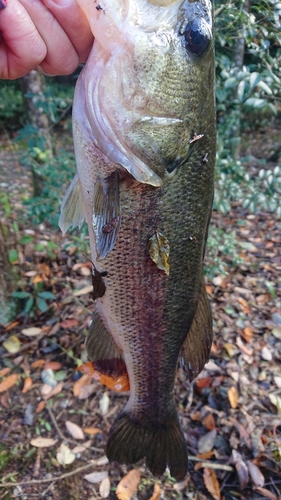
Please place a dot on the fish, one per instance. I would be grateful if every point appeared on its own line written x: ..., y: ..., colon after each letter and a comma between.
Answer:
x: 145, y: 145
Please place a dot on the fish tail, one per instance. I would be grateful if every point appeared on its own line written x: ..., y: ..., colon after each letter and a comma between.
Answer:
x: 163, y: 445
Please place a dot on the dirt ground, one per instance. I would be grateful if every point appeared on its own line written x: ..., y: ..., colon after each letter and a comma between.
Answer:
x: 231, y: 414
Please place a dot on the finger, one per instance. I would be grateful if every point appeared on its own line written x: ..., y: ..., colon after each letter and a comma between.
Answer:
x: 61, y: 57
x: 21, y: 46
x: 74, y: 22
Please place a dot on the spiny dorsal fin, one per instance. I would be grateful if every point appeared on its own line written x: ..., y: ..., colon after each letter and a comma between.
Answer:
x: 196, y: 348
x: 106, y: 214
x: 72, y: 207
x: 102, y: 350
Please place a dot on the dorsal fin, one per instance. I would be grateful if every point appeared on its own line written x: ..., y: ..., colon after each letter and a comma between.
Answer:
x: 106, y: 214
x: 196, y: 348
x: 72, y: 207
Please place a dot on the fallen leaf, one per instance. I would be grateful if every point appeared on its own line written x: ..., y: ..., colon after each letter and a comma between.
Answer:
x: 87, y: 390
x: 104, y: 404
x: 266, y: 354
x: 209, y: 422
x: 248, y: 334
x: 74, y: 430
x: 104, y: 488
x: 69, y: 323
x: 32, y: 331
x: 80, y: 448
x: 128, y: 485
x: 8, y: 382
x: 202, y: 383
x: 277, y: 381
x: 241, y: 468
x: 41, y: 442
x: 38, y: 363
x: 53, y: 365
x: 12, y: 344
x: 233, y: 397
x: 96, y: 477
x: 265, y: 493
x: 84, y: 380
x: 206, y: 442
x: 27, y: 385
x: 206, y: 455
x: 40, y: 406
x: 5, y: 371
x: 48, y: 392
x: 256, y: 475
x: 211, y: 483
x: 231, y: 349
x: 83, y: 291
x: 92, y: 431
x: 64, y: 455
x: 4, y: 400
x: 102, y: 461
x: 48, y: 377
x: 156, y: 492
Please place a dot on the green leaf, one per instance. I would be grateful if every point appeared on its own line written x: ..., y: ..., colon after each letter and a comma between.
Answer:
x: 20, y: 295
x: 13, y: 255
x: 47, y: 295
x: 60, y: 375
x: 42, y: 305
x: 28, y: 305
x: 27, y: 238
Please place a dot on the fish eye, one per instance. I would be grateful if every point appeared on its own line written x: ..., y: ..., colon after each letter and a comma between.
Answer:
x: 197, y: 36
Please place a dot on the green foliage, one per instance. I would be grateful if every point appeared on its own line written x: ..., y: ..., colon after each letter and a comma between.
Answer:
x: 222, y: 252
x: 11, y: 105
x: 35, y: 301
x: 54, y: 174
x: 5, y: 457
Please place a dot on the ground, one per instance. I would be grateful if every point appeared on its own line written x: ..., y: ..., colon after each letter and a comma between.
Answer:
x: 231, y: 414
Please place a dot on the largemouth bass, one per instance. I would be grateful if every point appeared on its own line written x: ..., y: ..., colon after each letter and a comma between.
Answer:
x: 144, y: 134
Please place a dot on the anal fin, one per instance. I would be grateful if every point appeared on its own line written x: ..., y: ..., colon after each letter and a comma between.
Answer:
x: 103, y: 351
x: 196, y: 348
x: 72, y: 207
x: 106, y: 216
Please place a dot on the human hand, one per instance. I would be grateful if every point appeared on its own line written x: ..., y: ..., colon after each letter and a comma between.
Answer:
x: 52, y: 34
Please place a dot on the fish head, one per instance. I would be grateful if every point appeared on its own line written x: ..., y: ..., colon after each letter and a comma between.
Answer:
x: 149, y: 81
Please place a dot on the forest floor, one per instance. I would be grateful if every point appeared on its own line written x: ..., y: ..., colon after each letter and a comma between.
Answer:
x: 231, y: 414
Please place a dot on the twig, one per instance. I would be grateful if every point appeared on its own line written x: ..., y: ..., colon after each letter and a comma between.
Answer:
x: 52, y: 479
x: 211, y: 465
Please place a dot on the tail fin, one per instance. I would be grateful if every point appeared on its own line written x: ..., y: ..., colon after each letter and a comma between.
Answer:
x: 164, y: 445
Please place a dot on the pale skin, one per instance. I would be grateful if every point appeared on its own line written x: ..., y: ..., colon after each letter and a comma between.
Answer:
x: 52, y: 34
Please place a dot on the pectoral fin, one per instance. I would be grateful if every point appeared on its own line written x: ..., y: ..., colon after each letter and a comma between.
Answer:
x: 103, y: 351
x: 196, y: 348
x: 106, y: 214
x: 72, y: 207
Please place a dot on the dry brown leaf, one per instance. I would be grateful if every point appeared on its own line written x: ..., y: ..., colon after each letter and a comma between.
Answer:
x: 209, y: 422
x: 96, y: 477
x: 69, y: 323
x: 86, y: 391
x: 53, y: 365
x: 8, y: 382
x: 92, y: 430
x: 4, y: 400
x: 211, y: 483
x: 248, y: 334
x: 256, y: 475
x: 104, y: 488
x: 233, y: 397
x: 65, y: 455
x: 48, y: 392
x: 84, y: 380
x: 4, y: 371
x: 206, y: 455
x: 32, y: 331
x: 41, y: 442
x: 40, y: 406
x: 156, y: 492
x: 38, y: 363
x: 80, y: 448
x: 74, y: 430
x: 265, y: 493
x: 241, y: 468
x: 83, y: 291
x: 128, y: 485
x: 27, y: 385
x: 12, y: 325
x: 206, y: 442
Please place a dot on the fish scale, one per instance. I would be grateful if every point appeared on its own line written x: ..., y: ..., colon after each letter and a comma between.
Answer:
x: 145, y: 186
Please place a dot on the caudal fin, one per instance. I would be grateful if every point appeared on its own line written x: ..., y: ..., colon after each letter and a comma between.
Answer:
x: 163, y: 445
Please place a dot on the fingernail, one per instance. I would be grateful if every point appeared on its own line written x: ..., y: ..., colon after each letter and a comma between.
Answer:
x: 3, y: 4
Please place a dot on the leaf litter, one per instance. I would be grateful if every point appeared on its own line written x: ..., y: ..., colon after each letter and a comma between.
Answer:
x: 232, y: 410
